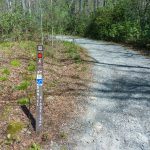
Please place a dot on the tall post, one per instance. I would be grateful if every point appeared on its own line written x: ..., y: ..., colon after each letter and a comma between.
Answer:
x: 39, y: 89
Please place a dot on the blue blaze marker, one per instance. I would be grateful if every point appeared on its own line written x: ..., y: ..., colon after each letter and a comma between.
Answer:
x: 39, y: 82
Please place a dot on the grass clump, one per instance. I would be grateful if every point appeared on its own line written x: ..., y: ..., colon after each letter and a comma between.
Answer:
x: 15, y: 63
x: 6, y: 71
x: 35, y: 146
x: 72, y: 51
x: 31, y: 67
x: 23, y: 85
x: 6, y: 44
x: 3, y: 78
x: 63, y: 135
x: 14, y: 127
x: 23, y: 101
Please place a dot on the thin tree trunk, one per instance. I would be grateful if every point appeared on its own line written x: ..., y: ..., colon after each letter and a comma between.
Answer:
x: 87, y: 6
x: 29, y: 3
x: 95, y: 5
x: 80, y: 6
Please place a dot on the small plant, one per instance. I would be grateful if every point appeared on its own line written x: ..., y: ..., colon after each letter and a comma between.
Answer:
x: 15, y: 63
x: 31, y: 66
x: 3, y: 78
x: 6, y: 44
x: 23, y: 101
x: 35, y: 146
x: 23, y: 85
x: 63, y: 135
x: 14, y: 127
x: 6, y: 71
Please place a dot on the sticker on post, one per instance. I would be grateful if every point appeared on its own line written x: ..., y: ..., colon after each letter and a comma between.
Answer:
x: 39, y: 76
x: 40, y: 47
x: 39, y: 82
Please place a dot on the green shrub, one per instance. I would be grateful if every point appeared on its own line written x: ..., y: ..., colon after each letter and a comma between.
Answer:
x: 119, y: 23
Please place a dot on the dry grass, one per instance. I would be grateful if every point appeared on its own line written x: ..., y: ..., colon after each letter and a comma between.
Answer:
x: 66, y: 77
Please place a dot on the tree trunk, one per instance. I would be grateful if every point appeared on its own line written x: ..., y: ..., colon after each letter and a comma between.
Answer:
x: 80, y: 6
x: 95, y: 5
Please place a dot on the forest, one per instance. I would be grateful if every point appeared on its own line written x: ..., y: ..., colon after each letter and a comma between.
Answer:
x: 126, y: 21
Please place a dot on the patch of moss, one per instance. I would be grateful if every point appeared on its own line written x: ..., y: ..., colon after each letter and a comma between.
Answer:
x: 15, y: 63
x: 14, y: 127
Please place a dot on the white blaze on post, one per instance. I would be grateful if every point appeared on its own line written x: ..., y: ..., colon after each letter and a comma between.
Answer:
x: 39, y: 89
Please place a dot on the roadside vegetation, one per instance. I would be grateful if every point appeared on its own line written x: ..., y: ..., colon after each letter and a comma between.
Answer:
x: 126, y: 21
x: 63, y: 76
x: 65, y: 64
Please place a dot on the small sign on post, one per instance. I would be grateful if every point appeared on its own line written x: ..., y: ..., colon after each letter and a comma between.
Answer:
x: 39, y: 89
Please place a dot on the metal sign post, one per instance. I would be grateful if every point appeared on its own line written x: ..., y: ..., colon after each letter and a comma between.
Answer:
x: 39, y: 89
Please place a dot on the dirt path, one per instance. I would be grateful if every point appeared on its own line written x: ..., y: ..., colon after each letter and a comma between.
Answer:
x: 118, y: 109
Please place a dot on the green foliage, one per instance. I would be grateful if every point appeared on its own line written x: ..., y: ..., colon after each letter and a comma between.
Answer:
x: 118, y: 23
x: 77, y: 25
x: 14, y: 127
x: 6, y: 71
x: 23, y: 101
x: 35, y: 146
x: 15, y: 63
x: 3, y: 78
x: 72, y: 51
x: 63, y: 135
x: 31, y: 66
x: 23, y: 85
x: 6, y: 44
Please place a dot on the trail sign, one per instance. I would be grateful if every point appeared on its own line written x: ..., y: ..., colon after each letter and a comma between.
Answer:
x: 39, y: 89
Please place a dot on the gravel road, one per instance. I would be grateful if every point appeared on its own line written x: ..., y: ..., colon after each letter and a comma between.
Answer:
x: 118, y: 106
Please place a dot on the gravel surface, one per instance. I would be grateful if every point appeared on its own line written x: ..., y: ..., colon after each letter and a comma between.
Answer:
x: 118, y: 106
